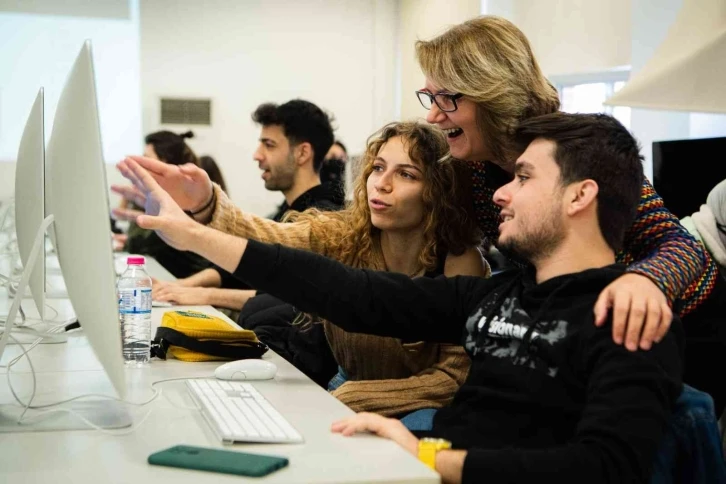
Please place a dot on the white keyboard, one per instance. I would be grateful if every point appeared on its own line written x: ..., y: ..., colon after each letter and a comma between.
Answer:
x: 237, y: 412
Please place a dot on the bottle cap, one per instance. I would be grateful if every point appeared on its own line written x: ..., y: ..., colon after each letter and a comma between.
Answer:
x: 136, y: 261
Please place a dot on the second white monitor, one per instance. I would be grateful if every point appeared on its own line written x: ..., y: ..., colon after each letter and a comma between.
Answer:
x: 77, y: 197
x: 30, y: 198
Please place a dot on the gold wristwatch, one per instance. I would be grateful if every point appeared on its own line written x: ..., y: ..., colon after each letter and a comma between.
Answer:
x: 427, y: 449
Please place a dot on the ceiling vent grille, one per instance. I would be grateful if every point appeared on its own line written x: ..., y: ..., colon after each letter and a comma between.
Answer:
x: 186, y: 111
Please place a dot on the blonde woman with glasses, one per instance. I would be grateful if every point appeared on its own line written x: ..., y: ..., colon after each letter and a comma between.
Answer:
x: 482, y: 80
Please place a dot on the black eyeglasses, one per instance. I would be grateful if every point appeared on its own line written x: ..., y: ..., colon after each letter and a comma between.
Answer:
x: 446, y: 102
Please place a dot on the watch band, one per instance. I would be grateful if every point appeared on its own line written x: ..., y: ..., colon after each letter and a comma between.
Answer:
x: 428, y: 448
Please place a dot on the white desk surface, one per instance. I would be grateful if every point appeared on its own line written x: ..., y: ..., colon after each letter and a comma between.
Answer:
x: 69, y: 369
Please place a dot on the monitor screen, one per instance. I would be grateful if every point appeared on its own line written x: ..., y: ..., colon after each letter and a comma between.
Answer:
x: 684, y: 172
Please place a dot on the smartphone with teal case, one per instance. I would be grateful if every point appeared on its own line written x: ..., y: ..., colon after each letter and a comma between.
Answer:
x: 218, y: 460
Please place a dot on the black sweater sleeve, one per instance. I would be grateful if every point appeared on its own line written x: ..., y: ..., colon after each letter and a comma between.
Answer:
x: 228, y: 280
x: 629, y: 397
x: 363, y: 301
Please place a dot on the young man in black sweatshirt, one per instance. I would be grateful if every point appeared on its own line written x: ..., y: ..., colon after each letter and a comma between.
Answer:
x: 548, y: 393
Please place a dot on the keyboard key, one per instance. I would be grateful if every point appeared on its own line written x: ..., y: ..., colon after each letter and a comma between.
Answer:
x: 240, y: 412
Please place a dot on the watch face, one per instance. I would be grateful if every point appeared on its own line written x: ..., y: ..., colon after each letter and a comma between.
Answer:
x: 430, y: 440
x: 438, y: 444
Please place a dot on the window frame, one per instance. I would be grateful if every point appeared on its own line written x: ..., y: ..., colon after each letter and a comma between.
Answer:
x: 608, y: 77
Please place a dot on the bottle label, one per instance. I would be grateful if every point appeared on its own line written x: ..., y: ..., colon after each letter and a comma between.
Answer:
x: 134, y: 301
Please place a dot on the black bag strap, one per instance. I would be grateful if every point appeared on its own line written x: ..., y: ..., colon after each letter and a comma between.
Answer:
x: 238, y: 349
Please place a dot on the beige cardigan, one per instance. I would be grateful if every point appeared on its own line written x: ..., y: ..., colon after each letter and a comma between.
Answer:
x: 385, y: 375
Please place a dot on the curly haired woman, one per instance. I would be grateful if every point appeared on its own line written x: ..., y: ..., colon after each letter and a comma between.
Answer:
x: 407, y: 216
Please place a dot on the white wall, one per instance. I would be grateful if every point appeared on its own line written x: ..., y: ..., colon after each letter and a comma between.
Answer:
x: 39, y: 50
x: 704, y: 125
x: 422, y: 20
x: 581, y: 36
x: 339, y: 54
x: 650, y: 26
x: 571, y: 36
x: 7, y: 180
x: 576, y: 36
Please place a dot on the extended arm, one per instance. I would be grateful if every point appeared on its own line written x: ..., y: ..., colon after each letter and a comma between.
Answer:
x: 213, y: 296
x: 206, y: 278
x: 659, y: 247
x: 227, y: 217
x: 357, y: 300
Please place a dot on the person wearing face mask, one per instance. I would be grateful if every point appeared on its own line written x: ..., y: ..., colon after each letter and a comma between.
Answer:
x: 333, y: 170
x: 482, y: 81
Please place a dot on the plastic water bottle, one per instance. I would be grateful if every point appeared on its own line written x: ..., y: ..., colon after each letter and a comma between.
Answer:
x: 134, y: 303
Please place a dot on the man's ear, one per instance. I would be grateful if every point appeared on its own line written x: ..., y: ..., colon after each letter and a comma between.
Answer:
x: 581, y: 196
x: 303, y: 153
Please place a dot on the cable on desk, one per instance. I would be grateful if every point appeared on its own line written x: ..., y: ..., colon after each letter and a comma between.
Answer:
x: 22, y: 419
x: 54, y: 332
x: 23, y: 323
x: 28, y: 405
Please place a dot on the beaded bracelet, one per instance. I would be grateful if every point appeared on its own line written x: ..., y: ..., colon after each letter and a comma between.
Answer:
x: 205, y: 207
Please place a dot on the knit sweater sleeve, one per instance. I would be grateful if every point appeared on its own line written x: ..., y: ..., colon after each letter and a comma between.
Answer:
x: 230, y: 219
x: 659, y: 247
x: 432, y: 388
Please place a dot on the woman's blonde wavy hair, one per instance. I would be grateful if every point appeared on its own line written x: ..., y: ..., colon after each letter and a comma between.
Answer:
x: 489, y: 60
x: 449, y: 226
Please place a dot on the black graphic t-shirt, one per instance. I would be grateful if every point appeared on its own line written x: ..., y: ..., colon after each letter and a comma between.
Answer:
x: 548, y: 392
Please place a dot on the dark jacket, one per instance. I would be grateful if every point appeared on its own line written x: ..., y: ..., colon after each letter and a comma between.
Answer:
x: 323, y: 197
x: 548, y: 393
x: 305, y: 347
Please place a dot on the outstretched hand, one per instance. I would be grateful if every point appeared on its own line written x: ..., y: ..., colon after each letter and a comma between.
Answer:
x: 163, y: 215
x: 641, y: 314
x: 130, y: 193
x: 127, y: 214
x: 188, y: 185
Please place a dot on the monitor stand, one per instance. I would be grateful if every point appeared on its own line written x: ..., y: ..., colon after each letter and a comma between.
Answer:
x: 23, y: 292
x: 107, y: 414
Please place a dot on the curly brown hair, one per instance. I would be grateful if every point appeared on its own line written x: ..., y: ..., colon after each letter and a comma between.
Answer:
x: 449, y: 225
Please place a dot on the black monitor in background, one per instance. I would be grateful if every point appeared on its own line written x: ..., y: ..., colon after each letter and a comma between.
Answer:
x: 685, y: 171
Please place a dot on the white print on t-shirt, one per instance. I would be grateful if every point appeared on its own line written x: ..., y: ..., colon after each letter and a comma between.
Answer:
x: 508, y: 329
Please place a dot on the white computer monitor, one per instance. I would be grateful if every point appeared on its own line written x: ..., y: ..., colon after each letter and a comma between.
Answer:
x: 30, y: 198
x: 77, y: 197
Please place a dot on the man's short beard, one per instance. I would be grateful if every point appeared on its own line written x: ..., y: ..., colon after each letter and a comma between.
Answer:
x: 536, y: 244
x: 285, y: 179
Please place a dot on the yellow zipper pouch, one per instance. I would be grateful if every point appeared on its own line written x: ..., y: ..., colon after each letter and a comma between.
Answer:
x: 195, y: 336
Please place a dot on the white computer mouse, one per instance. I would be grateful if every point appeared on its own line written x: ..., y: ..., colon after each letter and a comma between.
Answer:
x: 251, y: 369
